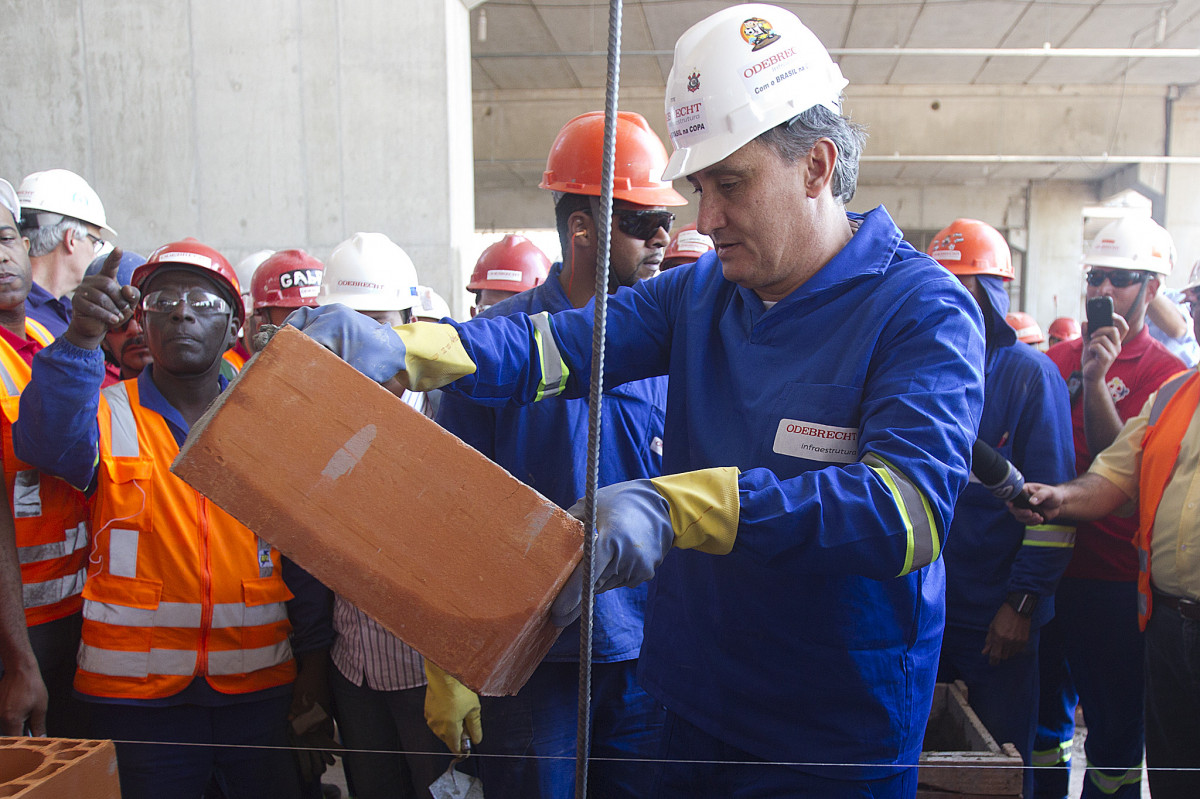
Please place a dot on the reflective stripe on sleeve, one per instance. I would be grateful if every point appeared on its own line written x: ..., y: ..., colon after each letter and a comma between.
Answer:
x: 74, y: 539
x: 124, y: 428
x: 1049, y: 535
x: 554, y: 369
x: 36, y: 595
x: 924, y: 545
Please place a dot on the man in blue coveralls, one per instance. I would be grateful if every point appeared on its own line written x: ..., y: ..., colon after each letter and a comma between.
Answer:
x: 545, y: 445
x: 825, y: 382
x: 1001, y: 574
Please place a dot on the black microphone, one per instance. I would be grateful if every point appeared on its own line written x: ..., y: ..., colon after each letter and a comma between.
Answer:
x: 998, y: 475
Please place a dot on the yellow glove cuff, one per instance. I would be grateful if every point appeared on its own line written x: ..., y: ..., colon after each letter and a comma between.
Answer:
x: 451, y: 709
x: 433, y: 356
x: 704, y: 508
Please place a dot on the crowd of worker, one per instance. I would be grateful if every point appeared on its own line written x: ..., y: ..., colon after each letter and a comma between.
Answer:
x: 792, y: 545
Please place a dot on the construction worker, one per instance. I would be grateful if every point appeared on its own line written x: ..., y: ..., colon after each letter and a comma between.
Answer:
x: 431, y: 306
x: 378, y: 680
x: 510, y: 266
x: 237, y: 355
x: 284, y: 281
x: 125, y: 351
x: 1091, y: 652
x: 1001, y: 575
x: 545, y: 445
x: 43, y: 556
x: 687, y: 245
x: 1154, y: 462
x: 189, y: 626
x: 65, y: 222
x: 1064, y: 328
x: 825, y: 388
x: 1027, y: 328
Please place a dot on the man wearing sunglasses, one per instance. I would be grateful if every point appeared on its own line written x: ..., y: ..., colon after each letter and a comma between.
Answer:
x: 189, y: 627
x: 546, y: 446
x: 1091, y: 651
x: 64, y: 219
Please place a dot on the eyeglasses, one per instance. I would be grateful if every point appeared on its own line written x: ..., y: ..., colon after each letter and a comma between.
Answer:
x: 97, y: 243
x: 1120, y: 278
x: 202, y: 302
x: 643, y: 224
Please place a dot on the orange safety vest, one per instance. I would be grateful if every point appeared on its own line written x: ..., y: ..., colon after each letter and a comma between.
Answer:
x: 234, y: 359
x: 50, y: 515
x: 1170, y: 415
x: 177, y: 587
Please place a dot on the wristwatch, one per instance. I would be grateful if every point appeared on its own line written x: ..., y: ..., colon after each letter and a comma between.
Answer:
x: 1024, y: 604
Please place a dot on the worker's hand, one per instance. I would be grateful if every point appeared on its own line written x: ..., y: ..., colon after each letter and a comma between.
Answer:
x: 633, y: 535
x: 22, y: 700
x: 1045, y: 503
x: 100, y: 304
x: 451, y: 709
x: 310, y: 726
x: 1007, y: 635
x: 1102, y: 349
x: 371, y: 347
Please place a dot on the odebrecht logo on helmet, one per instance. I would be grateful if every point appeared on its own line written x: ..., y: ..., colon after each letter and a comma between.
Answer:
x: 758, y: 33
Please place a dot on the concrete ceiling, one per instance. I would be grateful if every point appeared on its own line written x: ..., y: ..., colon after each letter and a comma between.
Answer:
x: 556, y: 48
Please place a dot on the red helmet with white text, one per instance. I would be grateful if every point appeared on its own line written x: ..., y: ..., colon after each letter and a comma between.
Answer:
x: 512, y: 264
x: 1026, y: 326
x: 288, y: 279
x: 191, y: 254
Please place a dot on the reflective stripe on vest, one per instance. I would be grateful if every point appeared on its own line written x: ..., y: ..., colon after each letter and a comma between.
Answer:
x: 39, y: 595
x: 923, y: 544
x: 124, y: 427
x: 1049, y: 535
x: 74, y: 540
x: 226, y: 615
x: 1160, y: 449
x: 179, y: 662
x: 554, y: 369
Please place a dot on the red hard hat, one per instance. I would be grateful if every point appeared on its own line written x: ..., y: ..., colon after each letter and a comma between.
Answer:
x: 191, y: 254
x: 512, y: 264
x: 971, y: 247
x: 288, y: 279
x: 1026, y: 326
x: 575, y: 160
x: 686, y: 246
x: 1064, y: 328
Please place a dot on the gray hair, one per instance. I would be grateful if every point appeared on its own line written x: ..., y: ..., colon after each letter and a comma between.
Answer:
x: 793, y: 140
x: 43, y: 240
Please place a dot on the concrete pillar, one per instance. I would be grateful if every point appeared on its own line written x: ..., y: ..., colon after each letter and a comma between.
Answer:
x: 1183, y: 197
x: 275, y: 123
x: 1055, y: 245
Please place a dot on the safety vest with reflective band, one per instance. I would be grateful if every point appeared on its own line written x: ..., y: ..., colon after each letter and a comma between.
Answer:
x: 234, y: 359
x: 178, y: 588
x: 50, y: 515
x: 1170, y: 414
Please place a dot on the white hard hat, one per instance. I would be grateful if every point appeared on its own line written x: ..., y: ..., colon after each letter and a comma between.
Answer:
x: 8, y: 199
x: 430, y: 304
x: 1194, y: 278
x: 369, y: 272
x: 245, y: 274
x: 1132, y: 242
x: 60, y: 191
x: 739, y: 73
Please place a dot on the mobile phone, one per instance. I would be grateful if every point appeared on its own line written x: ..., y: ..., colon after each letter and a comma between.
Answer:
x: 1099, y: 314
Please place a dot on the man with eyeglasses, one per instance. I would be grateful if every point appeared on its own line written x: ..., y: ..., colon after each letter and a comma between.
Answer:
x: 65, y: 222
x: 1091, y: 652
x: 191, y: 637
x: 545, y: 445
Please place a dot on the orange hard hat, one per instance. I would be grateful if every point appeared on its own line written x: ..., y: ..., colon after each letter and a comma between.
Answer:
x: 191, y: 254
x: 512, y: 264
x: 576, y: 160
x: 971, y: 247
x: 1026, y: 327
x: 686, y: 246
x: 288, y: 279
x: 1064, y: 328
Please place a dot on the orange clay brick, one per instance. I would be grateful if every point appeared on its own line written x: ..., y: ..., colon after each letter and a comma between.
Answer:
x: 448, y: 551
x: 55, y: 768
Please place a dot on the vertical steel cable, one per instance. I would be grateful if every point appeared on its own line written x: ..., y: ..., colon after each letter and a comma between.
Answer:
x: 583, y: 735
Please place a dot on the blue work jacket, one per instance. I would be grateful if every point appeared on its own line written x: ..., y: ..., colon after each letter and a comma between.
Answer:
x: 850, y: 407
x: 1027, y: 418
x: 544, y: 445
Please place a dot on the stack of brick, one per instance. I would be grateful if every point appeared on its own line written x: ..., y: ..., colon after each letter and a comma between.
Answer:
x: 55, y: 768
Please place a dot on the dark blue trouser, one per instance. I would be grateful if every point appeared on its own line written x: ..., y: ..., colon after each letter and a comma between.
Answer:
x: 387, y: 723
x: 191, y: 743
x: 1004, y: 696
x: 726, y: 772
x: 1173, y: 704
x: 1092, y: 648
x: 539, y: 726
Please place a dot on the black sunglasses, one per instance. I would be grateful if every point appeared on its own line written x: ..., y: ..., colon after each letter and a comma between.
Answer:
x: 643, y: 224
x: 1120, y: 278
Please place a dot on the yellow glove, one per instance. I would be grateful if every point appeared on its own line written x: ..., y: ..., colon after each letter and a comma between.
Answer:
x: 451, y: 709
